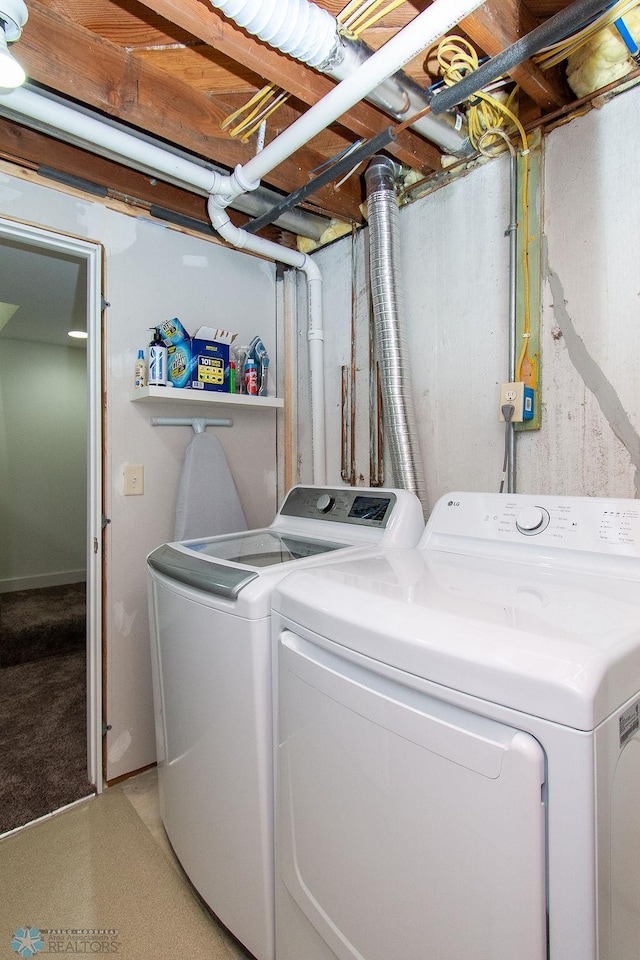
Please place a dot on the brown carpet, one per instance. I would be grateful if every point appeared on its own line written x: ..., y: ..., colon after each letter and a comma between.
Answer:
x: 42, y: 623
x: 43, y: 743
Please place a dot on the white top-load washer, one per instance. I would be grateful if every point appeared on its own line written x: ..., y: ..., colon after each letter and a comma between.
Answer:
x: 210, y: 605
x: 458, y: 772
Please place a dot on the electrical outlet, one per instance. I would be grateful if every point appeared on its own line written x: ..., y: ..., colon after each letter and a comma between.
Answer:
x: 520, y: 397
x: 133, y: 479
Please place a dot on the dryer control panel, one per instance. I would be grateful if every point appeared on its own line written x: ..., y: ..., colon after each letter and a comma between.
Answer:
x: 370, y: 508
x: 484, y: 524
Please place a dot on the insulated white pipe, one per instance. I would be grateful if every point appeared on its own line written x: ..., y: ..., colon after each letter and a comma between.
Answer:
x: 301, y: 29
x: 246, y: 241
x: 423, y: 30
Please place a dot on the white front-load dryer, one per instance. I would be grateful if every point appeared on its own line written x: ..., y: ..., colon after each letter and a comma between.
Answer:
x: 458, y: 740
x: 209, y: 607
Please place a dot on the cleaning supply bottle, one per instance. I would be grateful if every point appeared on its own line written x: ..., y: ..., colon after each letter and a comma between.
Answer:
x: 251, y: 377
x: 140, y: 371
x: 157, y: 365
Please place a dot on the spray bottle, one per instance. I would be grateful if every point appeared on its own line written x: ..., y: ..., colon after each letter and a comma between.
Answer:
x: 157, y: 365
x: 251, y: 377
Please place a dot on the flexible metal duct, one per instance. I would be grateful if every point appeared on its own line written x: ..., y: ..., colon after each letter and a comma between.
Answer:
x: 388, y: 312
x: 311, y: 35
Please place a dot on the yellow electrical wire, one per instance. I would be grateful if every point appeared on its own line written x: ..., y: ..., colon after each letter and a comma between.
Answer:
x: 265, y: 102
x: 486, y: 117
x: 264, y: 115
x: 360, y: 15
x: 258, y: 97
x: 352, y: 12
x: 457, y: 58
x: 555, y: 53
x: 365, y: 21
x: 346, y: 12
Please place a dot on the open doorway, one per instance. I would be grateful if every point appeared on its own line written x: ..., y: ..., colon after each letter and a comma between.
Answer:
x: 50, y: 516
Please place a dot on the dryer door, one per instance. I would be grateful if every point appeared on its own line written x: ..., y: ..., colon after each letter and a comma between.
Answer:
x: 407, y: 827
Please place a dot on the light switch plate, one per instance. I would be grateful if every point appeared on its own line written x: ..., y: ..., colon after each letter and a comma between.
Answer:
x: 133, y: 479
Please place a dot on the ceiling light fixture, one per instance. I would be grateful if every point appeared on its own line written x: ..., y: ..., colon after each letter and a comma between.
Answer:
x: 13, y: 16
x: 78, y: 334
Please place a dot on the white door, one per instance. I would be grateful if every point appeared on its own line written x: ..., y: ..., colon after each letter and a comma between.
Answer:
x: 407, y: 827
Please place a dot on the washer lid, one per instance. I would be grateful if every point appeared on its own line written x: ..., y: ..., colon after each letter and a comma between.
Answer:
x: 224, y: 565
x: 560, y: 645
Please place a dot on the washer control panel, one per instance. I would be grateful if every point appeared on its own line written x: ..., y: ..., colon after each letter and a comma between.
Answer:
x: 371, y: 508
x: 592, y: 524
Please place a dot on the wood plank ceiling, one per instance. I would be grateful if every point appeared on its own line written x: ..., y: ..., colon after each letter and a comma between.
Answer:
x: 177, y: 68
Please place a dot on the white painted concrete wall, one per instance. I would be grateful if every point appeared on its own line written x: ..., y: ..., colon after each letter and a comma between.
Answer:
x: 455, y: 262
x: 43, y: 464
x: 590, y: 441
x: 152, y: 273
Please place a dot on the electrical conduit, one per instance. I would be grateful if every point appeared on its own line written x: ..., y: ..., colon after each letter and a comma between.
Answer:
x: 388, y: 313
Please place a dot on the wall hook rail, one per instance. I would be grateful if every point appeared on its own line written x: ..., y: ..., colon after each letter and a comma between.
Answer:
x: 199, y: 424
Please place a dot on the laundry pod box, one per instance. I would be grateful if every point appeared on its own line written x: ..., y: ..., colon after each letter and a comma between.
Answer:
x: 209, y: 365
x: 200, y: 362
x: 210, y: 350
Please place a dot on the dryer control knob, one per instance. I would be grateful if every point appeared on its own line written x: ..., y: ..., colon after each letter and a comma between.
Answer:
x: 532, y: 520
x: 325, y: 503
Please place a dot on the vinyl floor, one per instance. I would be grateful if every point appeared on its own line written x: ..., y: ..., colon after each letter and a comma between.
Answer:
x: 100, y: 877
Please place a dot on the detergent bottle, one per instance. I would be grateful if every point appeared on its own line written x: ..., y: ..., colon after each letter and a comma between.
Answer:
x: 157, y: 364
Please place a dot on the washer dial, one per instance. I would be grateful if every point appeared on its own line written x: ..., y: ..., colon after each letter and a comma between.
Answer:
x: 325, y: 502
x: 532, y: 520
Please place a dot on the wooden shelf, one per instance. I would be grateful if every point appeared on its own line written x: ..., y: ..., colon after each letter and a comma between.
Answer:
x: 171, y: 395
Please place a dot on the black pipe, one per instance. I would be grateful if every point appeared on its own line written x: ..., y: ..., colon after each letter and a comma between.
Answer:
x: 565, y: 22
x: 352, y: 159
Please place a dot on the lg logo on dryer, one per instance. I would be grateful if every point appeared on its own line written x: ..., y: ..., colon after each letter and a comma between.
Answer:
x: 453, y: 503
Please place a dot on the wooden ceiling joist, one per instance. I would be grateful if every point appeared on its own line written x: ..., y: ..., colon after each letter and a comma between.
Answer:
x: 68, y: 58
x: 363, y: 120
x: 175, y: 69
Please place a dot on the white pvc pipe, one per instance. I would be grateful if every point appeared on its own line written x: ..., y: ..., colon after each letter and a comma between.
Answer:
x: 116, y: 143
x: 423, y: 30
x: 266, y: 248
